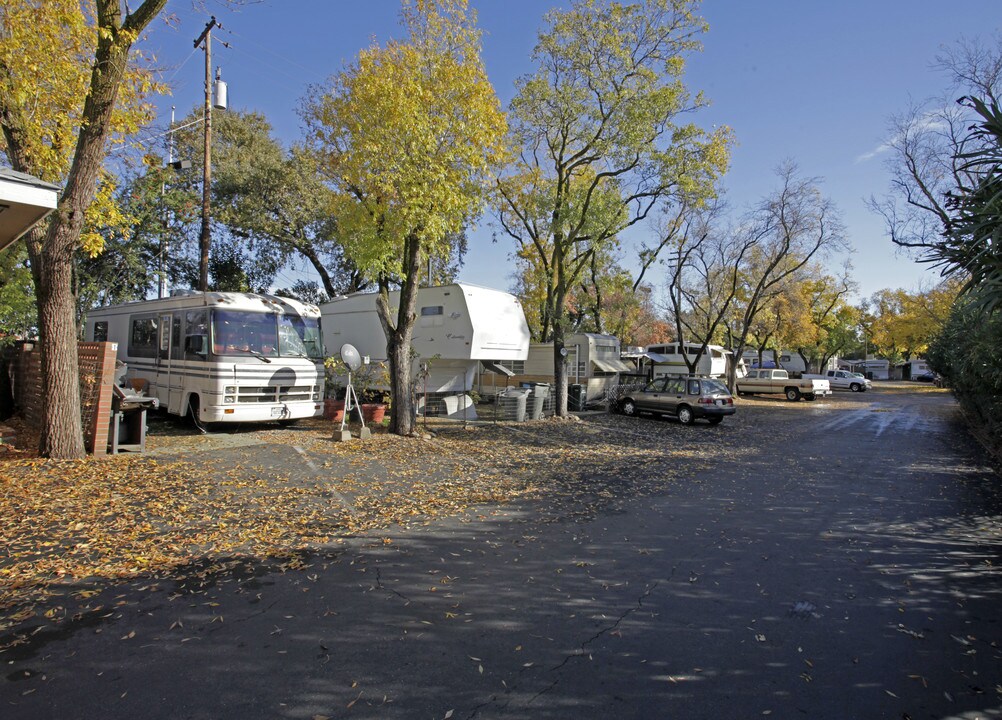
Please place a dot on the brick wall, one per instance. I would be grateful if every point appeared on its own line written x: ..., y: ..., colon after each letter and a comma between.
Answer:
x: 97, y: 375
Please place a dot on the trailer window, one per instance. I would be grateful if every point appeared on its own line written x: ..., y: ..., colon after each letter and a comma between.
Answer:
x: 143, y: 338
x: 101, y: 331
x: 516, y: 366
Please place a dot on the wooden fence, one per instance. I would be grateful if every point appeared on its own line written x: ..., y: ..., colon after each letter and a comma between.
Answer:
x: 97, y: 375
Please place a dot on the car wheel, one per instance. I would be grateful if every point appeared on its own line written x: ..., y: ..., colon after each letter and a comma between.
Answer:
x: 628, y: 407
x: 855, y: 387
x: 792, y: 394
x: 685, y: 415
x: 716, y: 420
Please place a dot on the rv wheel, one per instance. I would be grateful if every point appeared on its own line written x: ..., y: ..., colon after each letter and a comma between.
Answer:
x: 193, y: 406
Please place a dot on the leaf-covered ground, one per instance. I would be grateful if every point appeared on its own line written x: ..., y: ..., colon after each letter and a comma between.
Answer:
x: 194, y: 502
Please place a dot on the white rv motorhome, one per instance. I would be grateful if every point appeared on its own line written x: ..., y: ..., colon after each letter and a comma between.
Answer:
x: 667, y: 359
x: 593, y: 361
x: 219, y: 356
x: 458, y: 327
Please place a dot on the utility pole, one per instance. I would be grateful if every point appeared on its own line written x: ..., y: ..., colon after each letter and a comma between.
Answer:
x: 204, y: 237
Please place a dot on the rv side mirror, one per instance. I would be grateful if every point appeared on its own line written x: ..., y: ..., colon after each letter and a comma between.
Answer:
x: 195, y: 344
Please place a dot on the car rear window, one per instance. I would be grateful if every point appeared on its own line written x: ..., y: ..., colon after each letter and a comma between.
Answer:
x: 714, y: 386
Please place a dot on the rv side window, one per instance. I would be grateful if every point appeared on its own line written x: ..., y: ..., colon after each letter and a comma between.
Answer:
x: 143, y: 338
x: 101, y: 331
x: 196, y: 334
x: 432, y: 310
x: 175, y: 338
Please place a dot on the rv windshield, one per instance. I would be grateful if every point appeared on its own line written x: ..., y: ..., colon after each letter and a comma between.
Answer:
x: 239, y: 333
x: 299, y: 336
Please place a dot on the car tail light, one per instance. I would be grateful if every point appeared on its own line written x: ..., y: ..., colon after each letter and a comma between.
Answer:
x: 705, y: 401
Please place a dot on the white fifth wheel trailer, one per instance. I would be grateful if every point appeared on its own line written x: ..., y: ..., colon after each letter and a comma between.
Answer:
x: 219, y: 356
x: 458, y: 327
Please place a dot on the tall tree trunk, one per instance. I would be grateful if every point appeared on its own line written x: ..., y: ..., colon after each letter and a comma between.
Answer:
x: 559, y: 357
x: 399, y: 336
x: 62, y: 433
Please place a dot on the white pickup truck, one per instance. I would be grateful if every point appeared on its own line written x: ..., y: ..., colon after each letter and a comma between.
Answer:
x: 844, y: 380
x: 779, y: 382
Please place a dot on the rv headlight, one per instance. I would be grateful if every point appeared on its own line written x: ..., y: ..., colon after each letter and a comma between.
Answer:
x: 229, y: 399
x: 230, y: 390
x: 316, y: 396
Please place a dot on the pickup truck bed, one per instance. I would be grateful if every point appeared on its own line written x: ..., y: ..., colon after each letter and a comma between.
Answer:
x: 778, y: 382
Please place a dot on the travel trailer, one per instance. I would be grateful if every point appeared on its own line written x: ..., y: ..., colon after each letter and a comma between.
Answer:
x: 459, y: 328
x: 872, y: 368
x: 667, y: 359
x: 219, y: 356
x: 912, y: 370
x: 786, y: 359
x: 593, y: 362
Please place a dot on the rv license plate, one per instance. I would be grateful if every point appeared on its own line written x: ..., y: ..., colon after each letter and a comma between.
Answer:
x: 277, y: 412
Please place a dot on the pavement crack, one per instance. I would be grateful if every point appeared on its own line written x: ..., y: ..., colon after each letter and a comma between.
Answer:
x: 581, y: 652
x: 379, y: 584
x: 544, y: 690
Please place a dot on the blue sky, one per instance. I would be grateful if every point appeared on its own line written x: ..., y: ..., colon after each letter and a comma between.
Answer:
x: 810, y: 81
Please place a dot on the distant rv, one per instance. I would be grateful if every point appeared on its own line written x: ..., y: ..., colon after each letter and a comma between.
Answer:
x: 219, y: 356
x: 459, y: 328
x: 667, y: 359
x: 593, y: 362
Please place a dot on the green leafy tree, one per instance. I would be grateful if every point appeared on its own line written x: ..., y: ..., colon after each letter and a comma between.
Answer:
x: 407, y: 138
x: 18, y: 313
x: 601, y: 142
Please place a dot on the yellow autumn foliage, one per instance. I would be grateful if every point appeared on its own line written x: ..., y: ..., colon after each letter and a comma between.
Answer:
x: 46, y: 52
x: 409, y: 134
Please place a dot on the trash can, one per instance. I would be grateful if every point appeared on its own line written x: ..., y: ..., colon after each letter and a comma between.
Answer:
x: 540, y: 392
x: 575, y: 397
x: 511, y: 402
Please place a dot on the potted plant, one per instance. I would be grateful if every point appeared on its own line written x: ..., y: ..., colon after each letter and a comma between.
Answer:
x: 334, y: 372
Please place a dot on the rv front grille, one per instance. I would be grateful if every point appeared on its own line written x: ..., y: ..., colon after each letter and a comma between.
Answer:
x: 275, y: 393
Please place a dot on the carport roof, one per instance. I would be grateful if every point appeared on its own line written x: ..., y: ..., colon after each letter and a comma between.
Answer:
x: 24, y: 201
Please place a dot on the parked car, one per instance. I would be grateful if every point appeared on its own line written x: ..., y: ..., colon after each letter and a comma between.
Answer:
x: 928, y: 377
x: 687, y: 398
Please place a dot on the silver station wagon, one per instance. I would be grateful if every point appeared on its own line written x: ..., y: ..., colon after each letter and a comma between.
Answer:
x: 687, y: 398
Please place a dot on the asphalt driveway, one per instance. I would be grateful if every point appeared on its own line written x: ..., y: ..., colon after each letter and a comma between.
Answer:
x: 835, y: 559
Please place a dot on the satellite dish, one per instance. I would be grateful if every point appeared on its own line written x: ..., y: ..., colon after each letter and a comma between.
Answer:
x: 350, y: 357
